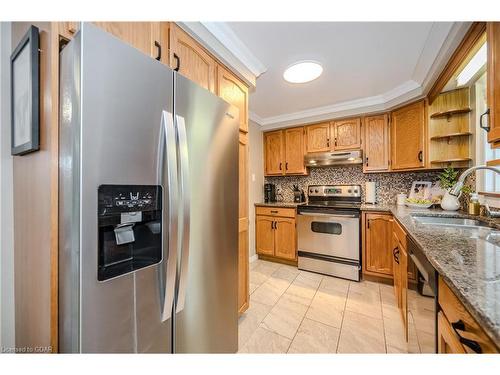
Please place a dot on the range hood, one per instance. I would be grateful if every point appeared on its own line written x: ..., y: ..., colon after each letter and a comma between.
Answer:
x: 332, y: 158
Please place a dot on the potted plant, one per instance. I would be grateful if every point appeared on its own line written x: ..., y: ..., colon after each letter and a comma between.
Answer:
x: 447, y: 179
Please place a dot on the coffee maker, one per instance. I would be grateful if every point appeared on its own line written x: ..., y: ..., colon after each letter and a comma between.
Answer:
x: 269, y: 193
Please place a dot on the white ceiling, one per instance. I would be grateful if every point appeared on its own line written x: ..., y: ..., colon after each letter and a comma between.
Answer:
x: 367, y: 66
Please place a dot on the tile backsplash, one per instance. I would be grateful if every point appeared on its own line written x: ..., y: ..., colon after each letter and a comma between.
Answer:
x: 388, y: 184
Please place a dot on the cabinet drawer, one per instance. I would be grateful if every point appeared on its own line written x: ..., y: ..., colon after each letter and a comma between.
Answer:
x: 455, y: 312
x: 275, y: 211
x: 400, y: 233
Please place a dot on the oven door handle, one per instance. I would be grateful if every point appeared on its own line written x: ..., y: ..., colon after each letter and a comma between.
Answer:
x: 329, y: 215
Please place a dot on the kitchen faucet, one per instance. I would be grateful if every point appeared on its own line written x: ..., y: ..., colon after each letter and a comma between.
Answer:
x: 455, y: 190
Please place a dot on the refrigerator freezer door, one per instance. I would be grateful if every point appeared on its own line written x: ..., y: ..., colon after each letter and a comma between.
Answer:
x: 207, y: 321
x: 121, y: 97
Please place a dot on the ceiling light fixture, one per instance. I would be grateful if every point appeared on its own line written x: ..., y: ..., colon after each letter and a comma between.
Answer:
x: 476, y: 63
x: 302, y: 72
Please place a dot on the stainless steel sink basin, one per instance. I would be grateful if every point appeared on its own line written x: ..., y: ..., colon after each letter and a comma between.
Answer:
x: 450, y: 221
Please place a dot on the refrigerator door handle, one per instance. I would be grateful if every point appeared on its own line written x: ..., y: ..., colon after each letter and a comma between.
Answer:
x: 186, y: 208
x: 169, y: 181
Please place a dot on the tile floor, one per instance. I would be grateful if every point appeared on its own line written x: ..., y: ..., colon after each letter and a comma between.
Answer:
x: 294, y: 311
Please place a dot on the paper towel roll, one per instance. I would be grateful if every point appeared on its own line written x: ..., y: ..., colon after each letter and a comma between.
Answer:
x: 370, y: 192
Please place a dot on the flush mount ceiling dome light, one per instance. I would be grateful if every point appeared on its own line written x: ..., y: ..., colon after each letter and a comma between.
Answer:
x: 302, y: 72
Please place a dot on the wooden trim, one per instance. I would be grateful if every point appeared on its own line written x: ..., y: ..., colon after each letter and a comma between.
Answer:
x: 55, y: 29
x: 475, y: 32
x: 490, y: 194
x: 277, y: 260
x: 493, y: 163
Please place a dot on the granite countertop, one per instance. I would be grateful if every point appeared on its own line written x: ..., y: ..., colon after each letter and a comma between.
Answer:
x: 376, y: 207
x: 469, y: 265
x: 279, y: 204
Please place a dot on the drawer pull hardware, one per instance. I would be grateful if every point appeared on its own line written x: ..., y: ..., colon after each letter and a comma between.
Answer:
x: 280, y: 166
x: 178, y: 65
x: 395, y: 253
x: 274, y: 211
x: 474, y: 345
x: 158, y: 46
x: 420, y: 156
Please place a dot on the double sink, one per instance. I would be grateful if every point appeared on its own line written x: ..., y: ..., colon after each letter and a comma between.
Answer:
x: 480, y: 230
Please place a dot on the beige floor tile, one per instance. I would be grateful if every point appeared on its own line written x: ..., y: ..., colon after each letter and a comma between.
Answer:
x: 315, y: 337
x: 395, y: 337
x: 391, y: 312
x: 364, y: 286
x: 366, y: 302
x: 285, y: 317
x: 270, y: 291
x: 426, y: 342
x: 361, y: 334
x: 309, y: 279
x: 258, y: 278
x: 264, y: 341
x: 250, y: 320
x: 334, y: 284
x: 327, y: 308
x: 267, y: 268
x: 254, y: 264
x: 287, y: 273
x: 252, y: 287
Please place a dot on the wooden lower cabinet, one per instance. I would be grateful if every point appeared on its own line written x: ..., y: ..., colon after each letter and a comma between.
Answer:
x: 276, y: 236
x: 458, y: 331
x: 400, y: 272
x: 377, y: 253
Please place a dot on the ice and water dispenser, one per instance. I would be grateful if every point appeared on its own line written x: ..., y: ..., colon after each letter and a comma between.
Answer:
x: 129, y: 221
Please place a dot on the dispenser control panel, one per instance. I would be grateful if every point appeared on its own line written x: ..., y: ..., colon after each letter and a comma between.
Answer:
x: 127, y: 198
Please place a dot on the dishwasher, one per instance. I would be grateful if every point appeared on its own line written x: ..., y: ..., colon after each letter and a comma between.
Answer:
x: 423, y: 304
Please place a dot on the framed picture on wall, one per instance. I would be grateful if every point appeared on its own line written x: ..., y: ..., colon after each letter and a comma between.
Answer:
x: 25, y: 93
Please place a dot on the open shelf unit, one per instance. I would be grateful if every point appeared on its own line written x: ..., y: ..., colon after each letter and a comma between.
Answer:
x: 449, y: 130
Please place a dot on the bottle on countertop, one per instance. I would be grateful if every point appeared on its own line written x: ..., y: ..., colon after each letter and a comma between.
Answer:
x: 474, y: 205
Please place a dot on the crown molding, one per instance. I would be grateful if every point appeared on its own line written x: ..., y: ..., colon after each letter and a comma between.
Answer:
x: 220, y: 40
x: 441, y: 42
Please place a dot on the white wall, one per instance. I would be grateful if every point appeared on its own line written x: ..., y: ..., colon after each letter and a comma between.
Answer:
x: 7, y: 337
x: 255, y: 179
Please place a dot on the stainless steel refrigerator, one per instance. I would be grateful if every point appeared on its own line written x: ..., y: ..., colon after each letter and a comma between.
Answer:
x: 148, y: 205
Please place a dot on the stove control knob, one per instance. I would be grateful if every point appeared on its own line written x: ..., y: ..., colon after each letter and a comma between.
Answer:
x: 349, y: 191
x: 316, y: 190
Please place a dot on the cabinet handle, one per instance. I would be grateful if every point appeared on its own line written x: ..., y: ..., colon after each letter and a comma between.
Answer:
x: 395, y: 253
x: 335, y: 141
x: 368, y: 224
x: 178, y: 65
x: 487, y: 126
x: 420, y: 156
x: 275, y: 225
x: 274, y: 211
x: 158, y: 46
x: 328, y: 142
x: 286, y: 166
x: 280, y: 166
x: 367, y: 161
x: 272, y: 224
x: 474, y: 345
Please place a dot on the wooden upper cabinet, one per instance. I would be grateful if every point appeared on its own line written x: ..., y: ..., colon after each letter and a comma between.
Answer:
x: 493, y: 77
x: 285, y: 238
x: 376, y: 143
x: 193, y: 61
x: 407, y: 136
x: 378, y: 244
x: 235, y: 92
x: 318, y: 137
x: 294, y: 151
x: 346, y: 134
x: 273, y: 153
x: 148, y: 37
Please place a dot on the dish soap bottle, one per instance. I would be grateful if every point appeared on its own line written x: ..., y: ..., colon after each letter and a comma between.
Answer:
x: 474, y: 205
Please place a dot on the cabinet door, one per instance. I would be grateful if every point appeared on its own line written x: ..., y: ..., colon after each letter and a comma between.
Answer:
x: 318, y: 137
x: 141, y: 35
x: 347, y: 134
x: 376, y: 143
x: 264, y: 235
x: 378, y: 244
x: 193, y: 61
x: 493, y: 76
x: 243, y: 271
x: 285, y: 239
x: 448, y: 342
x: 407, y: 137
x: 294, y: 151
x: 273, y: 153
x: 396, y: 269
x: 233, y: 91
